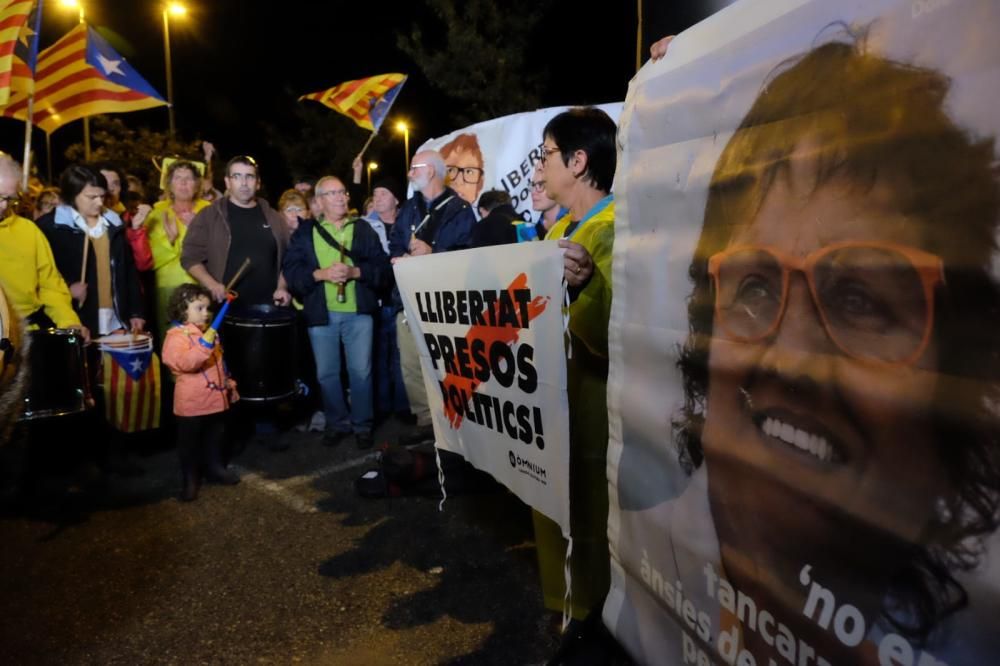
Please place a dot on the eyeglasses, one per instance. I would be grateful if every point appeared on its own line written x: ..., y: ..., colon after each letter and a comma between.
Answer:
x: 471, y: 175
x: 539, y: 186
x: 545, y: 154
x: 414, y: 167
x: 11, y: 200
x: 875, y: 300
x: 293, y: 209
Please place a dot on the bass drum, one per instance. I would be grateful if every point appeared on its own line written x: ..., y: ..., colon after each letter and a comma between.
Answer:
x: 258, y: 345
x: 57, y: 384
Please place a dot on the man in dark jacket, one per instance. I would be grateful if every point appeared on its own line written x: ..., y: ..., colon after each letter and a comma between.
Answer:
x: 435, y: 219
x: 499, y: 220
x: 336, y: 266
x: 237, y: 227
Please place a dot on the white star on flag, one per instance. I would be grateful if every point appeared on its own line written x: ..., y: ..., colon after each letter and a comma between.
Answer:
x: 110, y: 66
x: 136, y: 365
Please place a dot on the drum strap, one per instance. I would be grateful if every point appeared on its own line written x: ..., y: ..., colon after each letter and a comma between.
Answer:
x: 332, y: 242
x: 40, y: 319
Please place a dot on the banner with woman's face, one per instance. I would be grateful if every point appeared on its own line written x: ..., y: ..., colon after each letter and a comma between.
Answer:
x: 805, y: 377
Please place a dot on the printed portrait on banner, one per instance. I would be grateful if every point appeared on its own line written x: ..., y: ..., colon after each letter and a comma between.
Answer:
x: 825, y: 486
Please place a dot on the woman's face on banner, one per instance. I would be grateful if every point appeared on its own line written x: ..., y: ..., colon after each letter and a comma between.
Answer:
x: 829, y: 457
x: 464, y: 174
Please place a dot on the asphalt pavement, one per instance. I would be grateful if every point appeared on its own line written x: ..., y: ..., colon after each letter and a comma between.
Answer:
x: 289, y: 566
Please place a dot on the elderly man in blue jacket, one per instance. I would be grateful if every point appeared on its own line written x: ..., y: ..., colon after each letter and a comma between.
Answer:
x: 435, y: 219
x: 336, y: 266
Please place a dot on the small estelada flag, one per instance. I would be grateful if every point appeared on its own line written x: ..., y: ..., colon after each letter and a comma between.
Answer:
x: 132, y: 389
x: 365, y: 101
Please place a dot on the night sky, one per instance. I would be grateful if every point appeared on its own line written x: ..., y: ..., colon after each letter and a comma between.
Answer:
x: 238, y: 65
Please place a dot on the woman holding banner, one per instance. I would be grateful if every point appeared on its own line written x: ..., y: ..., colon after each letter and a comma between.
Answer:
x: 841, y: 372
x: 578, y: 167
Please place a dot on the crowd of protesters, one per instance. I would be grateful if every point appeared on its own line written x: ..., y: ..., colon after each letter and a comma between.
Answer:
x: 112, y: 261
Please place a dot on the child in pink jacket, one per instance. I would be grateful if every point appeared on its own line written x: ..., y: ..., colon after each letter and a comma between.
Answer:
x: 203, y: 390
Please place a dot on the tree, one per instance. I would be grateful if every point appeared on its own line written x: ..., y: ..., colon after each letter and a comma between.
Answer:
x: 134, y: 149
x: 482, y: 65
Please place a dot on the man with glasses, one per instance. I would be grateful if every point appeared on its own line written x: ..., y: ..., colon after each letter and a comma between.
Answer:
x: 28, y: 272
x: 435, y: 219
x: 237, y: 227
x: 337, y: 267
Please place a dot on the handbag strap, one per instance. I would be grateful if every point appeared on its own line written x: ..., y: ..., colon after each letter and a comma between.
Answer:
x: 332, y: 242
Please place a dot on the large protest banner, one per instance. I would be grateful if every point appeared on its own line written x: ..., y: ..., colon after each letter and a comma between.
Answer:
x: 804, y: 462
x: 501, y: 154
x: 480, y: 318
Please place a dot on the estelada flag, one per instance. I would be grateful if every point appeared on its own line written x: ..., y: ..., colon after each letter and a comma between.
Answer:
x: 82, y: 75
x: 13, y: 20
x: 132, y: 389
x: 365, y: 101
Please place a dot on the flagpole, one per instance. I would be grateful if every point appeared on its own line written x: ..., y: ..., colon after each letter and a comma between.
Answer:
x: 48, y: 154
x: 27, y: 141
x: 86, y: 119
x: 638, y: 39
x: 367, y: 143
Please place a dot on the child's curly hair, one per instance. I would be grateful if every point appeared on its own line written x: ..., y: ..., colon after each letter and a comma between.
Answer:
x: 184, y: 294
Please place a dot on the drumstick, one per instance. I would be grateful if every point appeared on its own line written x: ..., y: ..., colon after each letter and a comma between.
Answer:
x: 245, y: 265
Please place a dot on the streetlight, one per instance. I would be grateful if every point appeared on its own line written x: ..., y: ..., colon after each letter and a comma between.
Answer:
x: 177, y: 10
x: 401, y: 127
x: 372, y: 166
x: 73, y: 4
x: 77, y: 5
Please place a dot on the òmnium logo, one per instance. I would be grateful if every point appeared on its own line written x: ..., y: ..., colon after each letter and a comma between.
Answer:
x: 527, y: 467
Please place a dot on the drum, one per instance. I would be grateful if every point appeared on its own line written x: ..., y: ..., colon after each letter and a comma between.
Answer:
x: 258, y: 345
x: 130, y: 381
x: 57, y: 384
x: 131, y: 343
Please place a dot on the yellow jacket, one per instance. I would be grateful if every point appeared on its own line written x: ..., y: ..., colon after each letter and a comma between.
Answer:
x: 167, y: 270
x: 29, y: 275
x: 167, y: 255
x: 590, y: 312
x: 587, y: 378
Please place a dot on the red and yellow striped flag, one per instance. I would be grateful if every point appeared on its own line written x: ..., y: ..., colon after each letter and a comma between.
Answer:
x: 82, y: 75
x: 365, y: 101
x: 132, y: 390
x: 13, y: 19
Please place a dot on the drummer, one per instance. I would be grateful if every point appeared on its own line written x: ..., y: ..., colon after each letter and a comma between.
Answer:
x: 93, y: 254
x: 28, y: 271
x: 237, y: 227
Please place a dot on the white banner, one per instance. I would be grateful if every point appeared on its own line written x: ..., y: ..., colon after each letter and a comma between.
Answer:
x: 804, y: 458
x: 489, y: 326
x: 506, y: 149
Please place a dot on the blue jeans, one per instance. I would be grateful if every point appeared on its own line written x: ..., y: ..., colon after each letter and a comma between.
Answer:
x: 355, y: 331
x: 390, y: 391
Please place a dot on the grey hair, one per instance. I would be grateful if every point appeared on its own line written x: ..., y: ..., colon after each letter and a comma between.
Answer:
x: 434, y: 159
x: 10, y: 167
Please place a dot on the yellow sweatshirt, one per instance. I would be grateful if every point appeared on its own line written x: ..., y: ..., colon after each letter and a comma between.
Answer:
x: 28, y: 273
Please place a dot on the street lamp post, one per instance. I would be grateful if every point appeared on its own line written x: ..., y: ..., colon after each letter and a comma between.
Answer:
x: 76, y: 4
x: 176, y: 9
x: 402, y: 127
x: 372, y: 166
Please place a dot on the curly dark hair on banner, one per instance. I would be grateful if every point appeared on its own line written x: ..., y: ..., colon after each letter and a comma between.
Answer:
x: 876, y: 119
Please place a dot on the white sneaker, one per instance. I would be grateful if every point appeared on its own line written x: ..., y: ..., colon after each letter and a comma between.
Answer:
x: 318, y: 422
